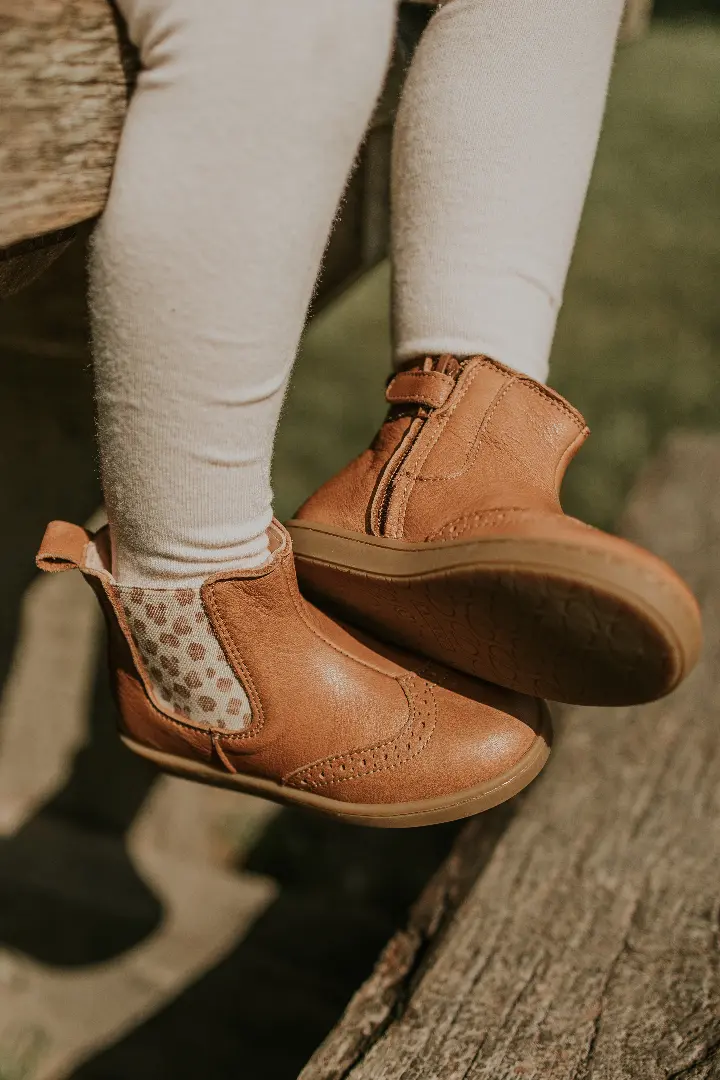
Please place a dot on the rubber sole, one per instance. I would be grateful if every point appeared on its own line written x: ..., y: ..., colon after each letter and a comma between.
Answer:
x: 548, y: 619
x: 382, y: 815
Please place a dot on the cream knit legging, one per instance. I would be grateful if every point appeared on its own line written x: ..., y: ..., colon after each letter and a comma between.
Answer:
x: 238, y: 142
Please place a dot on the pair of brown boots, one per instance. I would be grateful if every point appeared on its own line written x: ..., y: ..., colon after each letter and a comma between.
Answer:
x: 447, y: 543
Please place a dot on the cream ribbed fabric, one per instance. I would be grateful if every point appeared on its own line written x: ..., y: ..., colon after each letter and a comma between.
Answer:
x: 188, y: 671
x: 237, y: 144
x: 493, y: 150
x: 236, y: 148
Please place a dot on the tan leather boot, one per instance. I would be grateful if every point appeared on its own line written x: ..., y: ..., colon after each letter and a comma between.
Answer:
x: 335, y: 724
x: 447, y: 536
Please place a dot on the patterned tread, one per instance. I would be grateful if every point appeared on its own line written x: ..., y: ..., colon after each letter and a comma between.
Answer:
x: 541, y: 634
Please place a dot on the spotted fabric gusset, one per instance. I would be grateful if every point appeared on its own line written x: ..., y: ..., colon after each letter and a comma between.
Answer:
x: 189, y: 672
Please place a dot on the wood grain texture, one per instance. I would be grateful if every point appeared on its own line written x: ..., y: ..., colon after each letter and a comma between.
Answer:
x: 588, y: 948
x: 65, y: 75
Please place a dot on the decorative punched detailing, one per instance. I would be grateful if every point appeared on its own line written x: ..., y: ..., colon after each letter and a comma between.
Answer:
x: 409, y: 741
x: 188, y: 670
x: 491, y: 518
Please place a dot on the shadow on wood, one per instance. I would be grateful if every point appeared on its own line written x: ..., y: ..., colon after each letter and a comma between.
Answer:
x: 148, y: 926
x: 588, y: 945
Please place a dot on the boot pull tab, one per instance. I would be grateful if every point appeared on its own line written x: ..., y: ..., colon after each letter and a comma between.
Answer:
x: 430, y: 388
x: 63, y: 547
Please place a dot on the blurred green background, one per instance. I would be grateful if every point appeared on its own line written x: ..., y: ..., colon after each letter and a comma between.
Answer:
x: 638, y: 344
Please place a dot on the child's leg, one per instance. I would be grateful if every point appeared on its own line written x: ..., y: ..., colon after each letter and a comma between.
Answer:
x: 493, y: 150
x: 237, y: 145
x: 447, y: 535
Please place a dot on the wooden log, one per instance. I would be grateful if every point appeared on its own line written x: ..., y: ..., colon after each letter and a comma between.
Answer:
x: 588, y: 948
x: 66, y: 71
x: 65, y: 75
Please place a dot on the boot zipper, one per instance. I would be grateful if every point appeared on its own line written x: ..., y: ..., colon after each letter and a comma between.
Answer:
x: 446, y: 365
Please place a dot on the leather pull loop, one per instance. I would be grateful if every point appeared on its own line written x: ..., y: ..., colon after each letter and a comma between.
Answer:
x: 430, y: 388
x: 63, y: 547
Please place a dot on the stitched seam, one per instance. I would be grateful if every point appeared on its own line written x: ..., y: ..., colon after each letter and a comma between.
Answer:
x: 405, y: 681
x: 402, y: 488
x: 473, y: 452
x: 116, y: 604
x: 513, y: 776
x: 568, y: 454
x: 445, y: 418
x: 442, y: 423
x: 444, y: 383
x: 257, y: 725
x: 342, y: 755
x: 110, y: 590
x: 392, y: 470
x: 539, y: 390
x: 243, y: 674
x: 381, y: 495
x: 184, y: 725
x: 423, y: 376
x: 221, y: 753
x: 401, y: 735
x: 317, y: 632
x: 255, y: 572
x: 423, y: 399
x: 547, y: 396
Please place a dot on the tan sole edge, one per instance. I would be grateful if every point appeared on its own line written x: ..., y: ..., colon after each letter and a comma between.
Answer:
x: 659, y: 609
x: 382, y: 816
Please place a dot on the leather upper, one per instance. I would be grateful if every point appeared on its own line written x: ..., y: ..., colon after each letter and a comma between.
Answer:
x: 332, y: 712
x: 468, y: 446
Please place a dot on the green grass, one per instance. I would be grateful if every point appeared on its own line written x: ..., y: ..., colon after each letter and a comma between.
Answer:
x: 638, y: 345
x: 336, y: 399
x: 20, y: 1055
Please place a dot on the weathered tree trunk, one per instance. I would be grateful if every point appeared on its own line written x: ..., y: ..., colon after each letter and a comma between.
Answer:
x: 65, y: 77
x: 588, y: 948
x: 66, y: 71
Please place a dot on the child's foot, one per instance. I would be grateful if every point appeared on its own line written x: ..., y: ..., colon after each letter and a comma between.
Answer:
x: 243, y: 684
x: 447, y: 535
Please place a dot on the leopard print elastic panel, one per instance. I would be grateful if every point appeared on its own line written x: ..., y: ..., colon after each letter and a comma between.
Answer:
x: 188, y: 669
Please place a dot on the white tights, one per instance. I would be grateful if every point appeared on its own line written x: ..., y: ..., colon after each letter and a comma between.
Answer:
x: 238, y: 142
